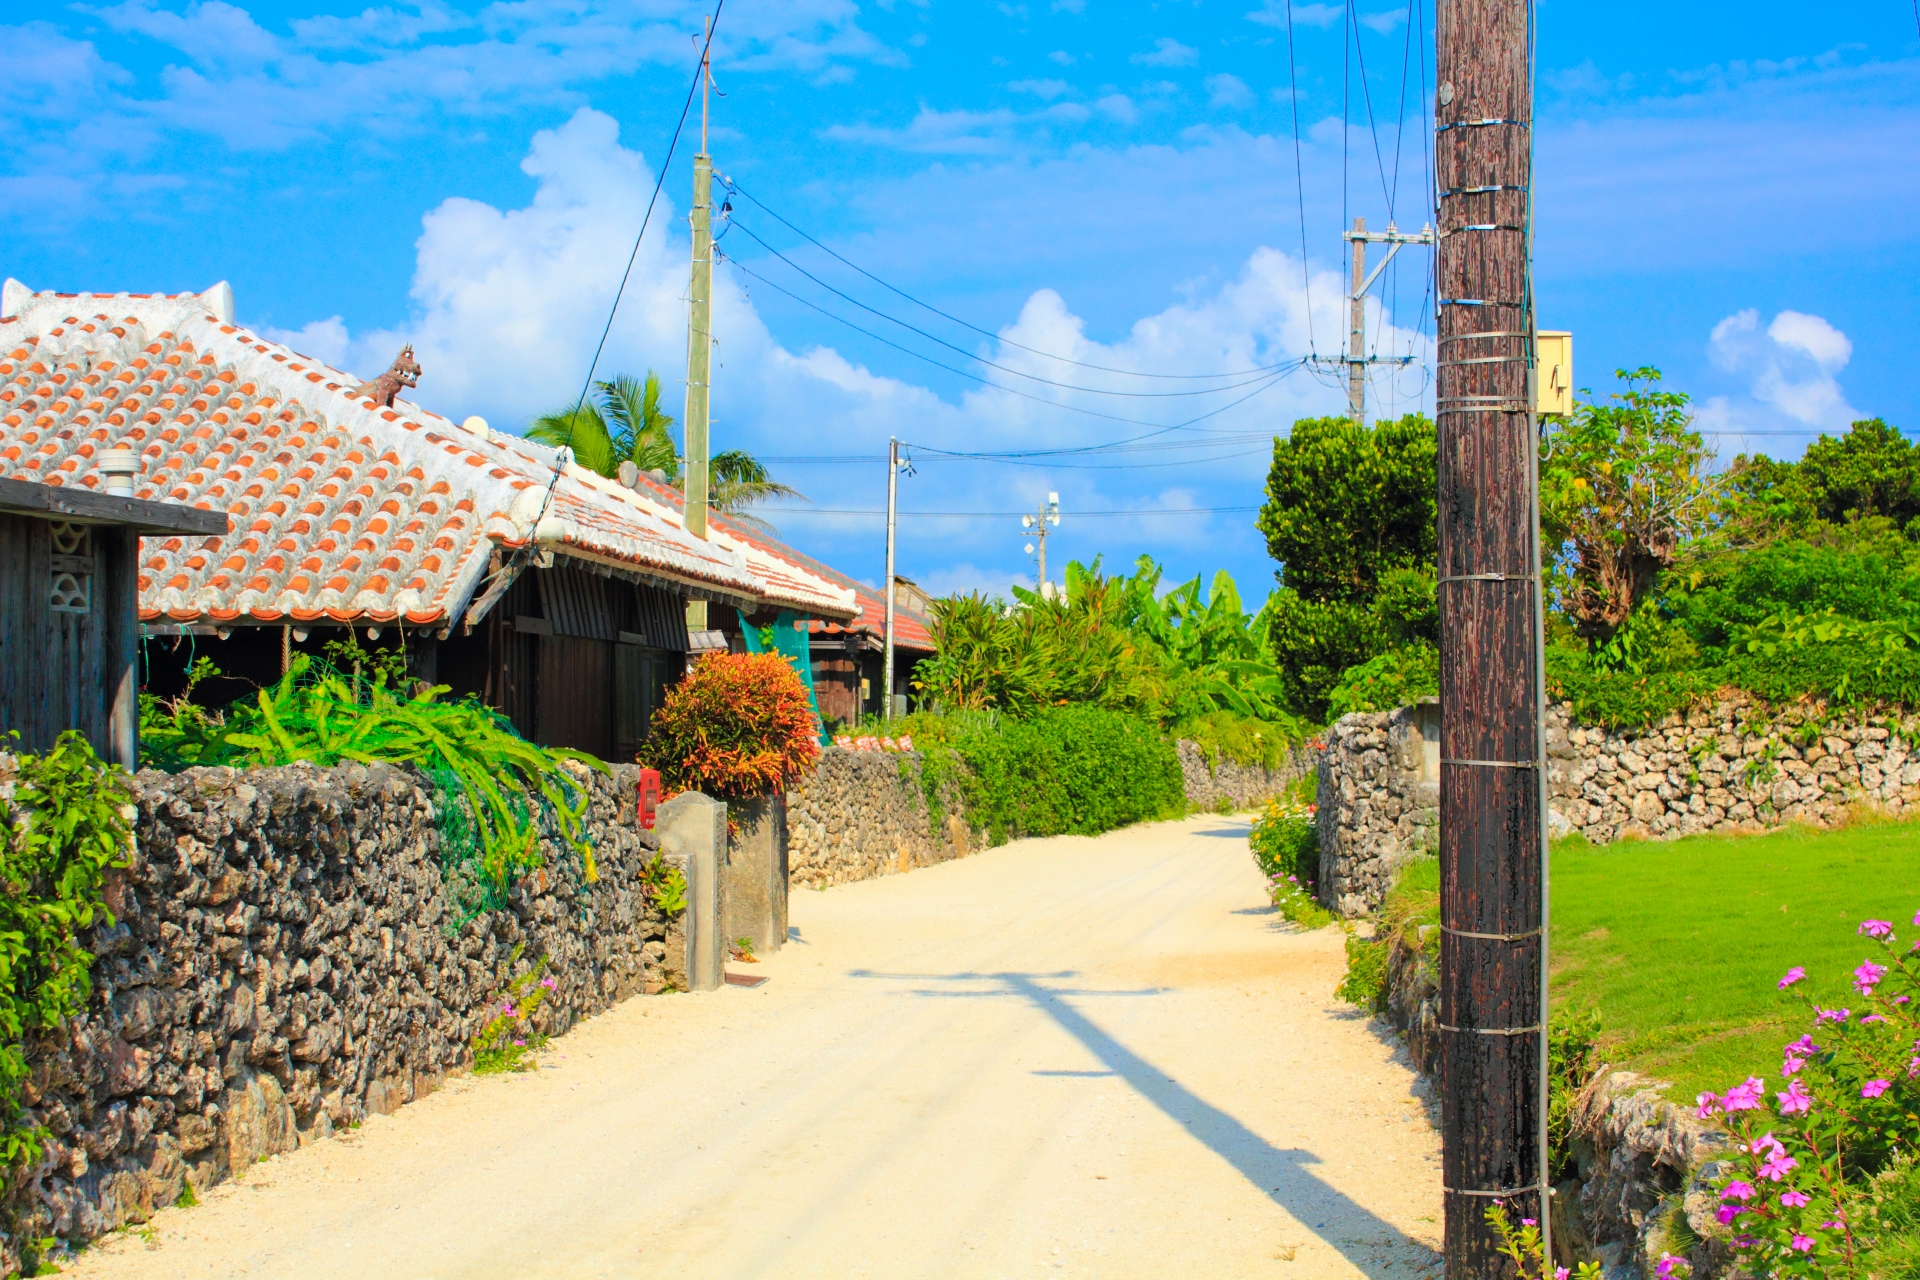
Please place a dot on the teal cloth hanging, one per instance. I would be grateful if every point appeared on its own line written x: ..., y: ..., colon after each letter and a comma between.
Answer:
x: 796, y: 646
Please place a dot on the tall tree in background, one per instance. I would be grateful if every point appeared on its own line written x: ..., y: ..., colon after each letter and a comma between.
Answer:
x: 1621, y: 484
x: 1350, y: 517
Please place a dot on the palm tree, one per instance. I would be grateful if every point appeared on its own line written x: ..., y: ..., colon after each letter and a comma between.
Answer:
x: 737, y: 480
x: 627, y: 425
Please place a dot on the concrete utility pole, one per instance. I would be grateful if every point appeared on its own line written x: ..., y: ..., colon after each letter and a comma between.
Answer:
x: 1493, y: 884
x: 1049, y: 511
x: 1357, y: 358
x: 700, y: 332
x: 886, y: 662
x: 1357, y: 326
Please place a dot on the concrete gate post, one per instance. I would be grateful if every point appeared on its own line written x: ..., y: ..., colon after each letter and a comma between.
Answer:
x: 693, y: 837
x: 756, y: 891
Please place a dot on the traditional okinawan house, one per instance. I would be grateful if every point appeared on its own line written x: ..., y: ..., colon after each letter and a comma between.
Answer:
x: 504, y: 569
x: 844, y: 655
x: 69, y: 607
x: 849, y: 658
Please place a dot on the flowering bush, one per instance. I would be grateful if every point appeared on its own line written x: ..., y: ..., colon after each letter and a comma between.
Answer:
x: 738, y: 726
x: 1285, y: 840
x: 508, y: 1041
x: 1804, y: 1192
x: 1296, y: 902
x: 1523, y: 1246
x: 867, y: 742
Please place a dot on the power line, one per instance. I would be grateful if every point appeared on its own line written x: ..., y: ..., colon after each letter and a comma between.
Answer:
x: 1131, y: 373
x: 1066, y: 386
x: 1159, y: 428
x: 1300, y: 181
x: 619, y: 293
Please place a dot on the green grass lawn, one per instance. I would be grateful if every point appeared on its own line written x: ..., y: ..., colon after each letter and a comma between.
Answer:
x: 1680, y: 944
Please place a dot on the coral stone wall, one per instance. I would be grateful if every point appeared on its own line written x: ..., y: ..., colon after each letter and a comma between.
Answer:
x: 284, y: 962
x: 862, y: 814
x: 1374, y: 812
x: 1728, y: 765
x: 1237, y: 786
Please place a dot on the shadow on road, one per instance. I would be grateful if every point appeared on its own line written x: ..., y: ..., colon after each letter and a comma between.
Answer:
x: 1238, y: 831
x: 1284, y: 1175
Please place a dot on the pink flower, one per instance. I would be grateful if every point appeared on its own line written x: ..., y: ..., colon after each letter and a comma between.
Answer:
x: 520, y: 1044
x: 1832, y: 1015
x: 1560, y: 1273
x: 1793, y: 975
x: 1745, y: 1097
x: 1667, y: 1265
x: 1527, y: 1222
x: 549, y: 982
x: 1794, y: 1199
x: 1795, y: 1101
x: 1916, y: 919
x: 1804, y: 1047
x: 1777, y: 1165
x: 1803, y: 1243
x: 1868, y: 976
x: 1738, y: 1191
x: 1876, y: 928
x: 1874, y: 1088
x: 1792, y: 1065
x: 1728, y: 1213
x: 1709, y: 1103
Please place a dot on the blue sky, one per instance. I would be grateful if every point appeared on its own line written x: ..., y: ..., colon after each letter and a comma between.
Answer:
x: 1730, y: 197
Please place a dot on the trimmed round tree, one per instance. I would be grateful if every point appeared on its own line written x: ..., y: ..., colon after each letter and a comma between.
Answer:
x: 738, y: 726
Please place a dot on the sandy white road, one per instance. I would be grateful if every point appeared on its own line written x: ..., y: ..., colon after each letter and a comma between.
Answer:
x: 1072, y: 1057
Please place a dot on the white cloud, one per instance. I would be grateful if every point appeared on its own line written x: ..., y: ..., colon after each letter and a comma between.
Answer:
x: 1790, y: 369
x: 1274, y: 14
x: 1228, y: 91
x: 1069, y: 6
x: 1061, y: 57
x: 1117, y: 106
x: 1168, y: 52
x: 508, y: 304
x: 1383, y: 22
x: 1045, y: 90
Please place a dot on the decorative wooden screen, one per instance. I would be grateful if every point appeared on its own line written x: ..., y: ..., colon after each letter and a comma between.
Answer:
x: 71, y: 581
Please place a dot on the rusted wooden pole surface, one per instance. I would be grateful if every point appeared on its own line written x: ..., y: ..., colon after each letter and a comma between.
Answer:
x: 1491, y: 810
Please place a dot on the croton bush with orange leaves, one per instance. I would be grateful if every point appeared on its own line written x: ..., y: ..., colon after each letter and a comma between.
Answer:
x: 738, y: 726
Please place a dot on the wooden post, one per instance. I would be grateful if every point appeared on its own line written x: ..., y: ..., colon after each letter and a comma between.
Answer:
x: 1492, y: 863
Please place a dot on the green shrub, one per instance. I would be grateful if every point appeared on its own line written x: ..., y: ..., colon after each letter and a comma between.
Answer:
x: 1073, y: 770
x: 1241, y: 739
x: 67, y: 820
x: 1392, y: 679
x: 1365, y: 985
x: 1572, y: 1054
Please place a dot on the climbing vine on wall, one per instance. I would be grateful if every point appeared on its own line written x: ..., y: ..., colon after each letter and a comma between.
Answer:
x: 65, y: 820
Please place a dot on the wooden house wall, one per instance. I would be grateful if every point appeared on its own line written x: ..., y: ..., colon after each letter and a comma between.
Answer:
x: 66, y: 670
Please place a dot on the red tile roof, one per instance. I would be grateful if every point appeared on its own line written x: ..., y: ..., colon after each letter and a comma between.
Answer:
x: 341, y: 509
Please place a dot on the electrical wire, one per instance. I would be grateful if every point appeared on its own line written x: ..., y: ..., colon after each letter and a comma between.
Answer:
x: 672, y: 145
x: 962, y: 351
x: 1366, y: 95
x: 1300, y: 182
x: 734, y: 186
x: 1159, y: 428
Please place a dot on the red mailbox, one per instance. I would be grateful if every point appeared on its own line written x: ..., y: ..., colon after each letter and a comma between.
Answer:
x: 649, y: 798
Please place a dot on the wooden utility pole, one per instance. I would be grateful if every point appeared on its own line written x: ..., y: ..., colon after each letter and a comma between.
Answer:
x: 1492, y: 751
x: 700, y: 330
x: 1357, y: 327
